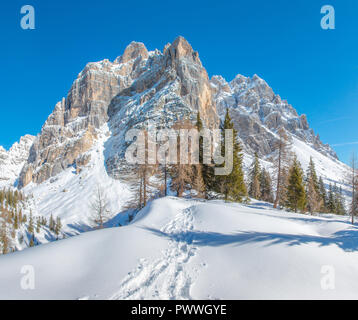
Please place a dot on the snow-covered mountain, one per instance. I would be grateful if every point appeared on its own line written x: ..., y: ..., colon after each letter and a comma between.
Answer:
x: 82, y: 142
x: 174, y: 248
x: 187, y: 249
x: 258, y: 112
x: 13, y: 160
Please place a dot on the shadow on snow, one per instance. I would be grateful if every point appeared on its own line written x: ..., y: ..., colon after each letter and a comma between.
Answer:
x: 347, y: 240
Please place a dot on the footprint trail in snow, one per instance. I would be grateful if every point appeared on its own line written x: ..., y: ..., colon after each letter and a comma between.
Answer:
x: 166, y: 277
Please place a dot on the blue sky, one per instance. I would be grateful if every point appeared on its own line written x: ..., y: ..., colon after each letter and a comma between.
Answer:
x: 316, y: 70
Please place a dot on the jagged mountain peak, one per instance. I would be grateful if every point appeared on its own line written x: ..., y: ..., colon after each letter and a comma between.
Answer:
x: 160, y: 87
x: 137, y: 87
x: 181, y: 48
x: 132, y: 52
x: 13, y: 160
x: 258, y: 112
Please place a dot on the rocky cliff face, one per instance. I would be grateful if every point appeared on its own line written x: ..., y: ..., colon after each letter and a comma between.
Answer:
x: 258, y: 112
x: 12, y: 161
x: 144, y: 88
x: 138, y: 87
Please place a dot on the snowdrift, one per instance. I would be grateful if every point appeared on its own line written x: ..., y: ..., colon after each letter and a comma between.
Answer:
x: 191, y: 249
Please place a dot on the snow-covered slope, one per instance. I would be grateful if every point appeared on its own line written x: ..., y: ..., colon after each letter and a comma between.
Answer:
x: 12, y: 161
x: 69, y: 195
x: 187, y: 249
x: 258, y: 113
x: 81, y: 145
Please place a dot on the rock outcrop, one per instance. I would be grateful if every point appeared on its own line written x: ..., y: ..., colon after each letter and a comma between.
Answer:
x: 141, y: 89
x: 258, y: 113
x: 138, y: 87
x: 13, y: 160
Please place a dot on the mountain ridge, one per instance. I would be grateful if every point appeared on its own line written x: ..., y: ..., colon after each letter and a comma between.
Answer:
x: 142, y: 86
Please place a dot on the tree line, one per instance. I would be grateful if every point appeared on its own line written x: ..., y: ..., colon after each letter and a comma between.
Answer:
x: 295, y: 189
x: 16, y: 224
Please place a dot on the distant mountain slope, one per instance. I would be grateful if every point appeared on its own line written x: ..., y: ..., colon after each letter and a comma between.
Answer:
x: 13, y: 160
x: 258, y: 112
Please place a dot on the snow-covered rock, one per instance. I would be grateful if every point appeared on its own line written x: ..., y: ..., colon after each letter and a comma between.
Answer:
x: 258, y: 112
x: 139, y: 86
x: 12, y: 161
x: 85, y: 133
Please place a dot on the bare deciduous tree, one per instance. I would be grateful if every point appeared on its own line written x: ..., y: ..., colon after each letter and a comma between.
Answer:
x: 99, y: 207
x: 187, y: 175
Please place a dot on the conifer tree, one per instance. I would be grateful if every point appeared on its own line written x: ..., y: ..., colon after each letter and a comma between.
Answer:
x: 266, y: 186
x: 338, y: 200
x: 2, y: 198
x: 323, y: 194
x: 184, y: 174
x: 207, y: 170
x: 311, y: 174
x: 30, y: 227
x: 32, y: 241
x: 331, y: 205
x: 51, y: 223
x: 281, y: 163
x: 38, y: 225
x: 58, y: 226
x: 341, y: 205
x: 232, y: 185
x: 255, y: 172
x: 296, y: 195
x: 16, y: 222
x: 314, y: 200
x: 352, y: 179
x: 4, y: 240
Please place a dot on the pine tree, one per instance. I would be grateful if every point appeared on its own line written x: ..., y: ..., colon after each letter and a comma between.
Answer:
x: 296, y: 196
x: 32, y: 241
x: 352, y: 179
x: 331, y: 205
x: 30, y: 227
x: 314, y: 200
x: 182, y: 174
x: 2, y: 198
x: 311, y: 174
x: 207, y: 170
x: 232, y: 185
x: 323, y: 194
x: 58, y: 226
x: 281, y: 163
x: 4, y: 240
x: 341, y: 204
x: 266, y: 186
x: 16, y: 222
x: 143, y: 171
x: 255, y: 173
x: 38, y: 225
x: 338, y: 200
x: 51, y: 223
x: 20, y: 217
